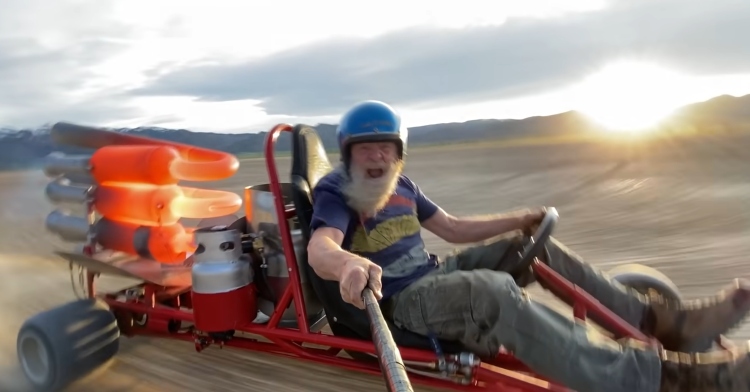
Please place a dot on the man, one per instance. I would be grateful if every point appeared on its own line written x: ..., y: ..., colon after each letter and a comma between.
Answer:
x: 366, y: 231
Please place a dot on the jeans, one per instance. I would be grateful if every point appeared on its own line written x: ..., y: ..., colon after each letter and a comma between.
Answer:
x: 472, y: 298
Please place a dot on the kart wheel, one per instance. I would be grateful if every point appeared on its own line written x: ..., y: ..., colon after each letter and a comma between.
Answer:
x: 645, y: 279
x: 59, y: 346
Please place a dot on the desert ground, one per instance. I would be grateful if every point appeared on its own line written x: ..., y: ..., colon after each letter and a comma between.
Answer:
x: 681, y: 206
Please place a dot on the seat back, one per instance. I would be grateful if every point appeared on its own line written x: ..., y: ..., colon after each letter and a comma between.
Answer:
x: 309, y: 164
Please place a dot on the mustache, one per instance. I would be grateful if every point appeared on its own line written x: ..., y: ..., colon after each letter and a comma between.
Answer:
x: 382, y: 166
x: 385, y: 166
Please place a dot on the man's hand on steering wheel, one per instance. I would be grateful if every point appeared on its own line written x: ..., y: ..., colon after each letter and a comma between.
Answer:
x: 531, y: 220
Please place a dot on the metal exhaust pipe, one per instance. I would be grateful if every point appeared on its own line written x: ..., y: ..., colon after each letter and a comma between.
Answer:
x: 96, y: 138
x: 80, y: 179
x: 62, y: 191
x: 57, y: 163
x: 69, y: 228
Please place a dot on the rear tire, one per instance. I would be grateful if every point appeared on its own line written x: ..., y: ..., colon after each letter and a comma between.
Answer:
x: 62, y: 345
x: 645, y: 279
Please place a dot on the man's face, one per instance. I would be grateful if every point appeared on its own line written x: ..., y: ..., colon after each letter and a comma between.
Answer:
x: 374, y: 171
x: 374, y: 158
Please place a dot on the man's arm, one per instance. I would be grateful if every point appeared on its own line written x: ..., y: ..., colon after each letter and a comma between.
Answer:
x: 324, y: 253
x: 330, y: 220
x: 478, y: 228
x: 469, y: 229
x: 353, y: 273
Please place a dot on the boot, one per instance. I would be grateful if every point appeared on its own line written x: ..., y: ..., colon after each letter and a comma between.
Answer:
x: 717, y: 371
x: 692, y: 326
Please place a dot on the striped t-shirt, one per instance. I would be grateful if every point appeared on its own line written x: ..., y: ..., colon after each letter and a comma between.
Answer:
x: 392, y: 239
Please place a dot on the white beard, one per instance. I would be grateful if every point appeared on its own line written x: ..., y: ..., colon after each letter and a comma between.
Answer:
x: 368, y: 195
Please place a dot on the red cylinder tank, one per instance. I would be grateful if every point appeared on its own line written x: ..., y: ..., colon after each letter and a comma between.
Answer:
x: 217, y: 312
x: 223, y: 292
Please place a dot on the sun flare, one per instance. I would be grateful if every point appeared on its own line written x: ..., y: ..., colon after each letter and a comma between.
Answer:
x: 631, y: 96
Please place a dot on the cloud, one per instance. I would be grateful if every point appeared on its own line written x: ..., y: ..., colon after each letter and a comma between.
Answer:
x: 433, y: 67
x: 49, y: 59
x: 69, y: 59
x: 229, y: 65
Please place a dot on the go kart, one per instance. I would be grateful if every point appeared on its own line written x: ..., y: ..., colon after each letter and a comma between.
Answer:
x: 211, y: 283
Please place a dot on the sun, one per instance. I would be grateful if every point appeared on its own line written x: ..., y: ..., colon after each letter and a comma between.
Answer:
x: 631, y: 96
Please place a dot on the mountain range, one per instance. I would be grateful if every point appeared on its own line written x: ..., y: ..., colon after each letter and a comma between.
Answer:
x: 725, y: 114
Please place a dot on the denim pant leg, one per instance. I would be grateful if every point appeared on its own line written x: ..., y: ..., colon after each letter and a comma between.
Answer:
x: 625, y: 302
x: 485, y: 310
x: 501, y: 254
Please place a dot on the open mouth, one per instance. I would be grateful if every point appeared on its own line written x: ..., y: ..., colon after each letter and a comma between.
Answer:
x: 375, y: 173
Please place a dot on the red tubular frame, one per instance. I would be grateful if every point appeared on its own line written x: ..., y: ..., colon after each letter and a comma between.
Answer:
x: 286, y: 236
x: 504, y: 372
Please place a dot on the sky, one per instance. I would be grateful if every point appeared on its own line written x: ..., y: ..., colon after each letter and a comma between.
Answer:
x: 243, y: 66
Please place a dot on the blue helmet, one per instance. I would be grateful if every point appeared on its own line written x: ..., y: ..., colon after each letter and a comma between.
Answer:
x: 370, y: 121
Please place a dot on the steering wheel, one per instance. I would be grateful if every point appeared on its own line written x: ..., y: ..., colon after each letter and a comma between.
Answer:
x: 536, y: 242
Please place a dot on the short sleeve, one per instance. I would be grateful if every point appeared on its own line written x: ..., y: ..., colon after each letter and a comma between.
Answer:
x: 329, y: 210
x: 426, y: 208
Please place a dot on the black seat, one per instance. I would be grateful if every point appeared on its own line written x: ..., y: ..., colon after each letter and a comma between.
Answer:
x: 309, y: 164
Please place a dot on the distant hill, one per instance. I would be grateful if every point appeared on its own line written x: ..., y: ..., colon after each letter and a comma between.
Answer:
x: 724, y: 114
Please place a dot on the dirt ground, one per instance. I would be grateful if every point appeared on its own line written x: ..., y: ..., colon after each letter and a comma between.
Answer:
x: 681, y: 207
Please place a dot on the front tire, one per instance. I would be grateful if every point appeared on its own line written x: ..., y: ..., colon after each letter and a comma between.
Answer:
x: 62, y: 345
x: 646, y: 279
